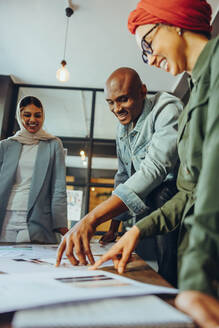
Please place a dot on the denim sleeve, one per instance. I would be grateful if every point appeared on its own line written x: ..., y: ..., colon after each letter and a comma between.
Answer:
x: 160, y: 158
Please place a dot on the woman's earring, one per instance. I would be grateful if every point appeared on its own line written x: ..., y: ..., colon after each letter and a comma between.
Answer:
x: 180, y: 32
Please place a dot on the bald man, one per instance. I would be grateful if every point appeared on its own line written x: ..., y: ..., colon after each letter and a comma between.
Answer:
x: 147, y: 155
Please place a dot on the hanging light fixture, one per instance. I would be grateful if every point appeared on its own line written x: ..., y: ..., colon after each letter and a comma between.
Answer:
x: 62, y: 74
x: 83, y: 157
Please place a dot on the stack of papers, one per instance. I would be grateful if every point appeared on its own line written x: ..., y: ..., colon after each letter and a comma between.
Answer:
x: 40, y: 258
x: 22, y: 291
x: 73, y: 295
x: 142, y: 311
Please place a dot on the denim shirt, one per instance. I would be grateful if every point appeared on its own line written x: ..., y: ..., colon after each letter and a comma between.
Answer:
x: 147, y: 153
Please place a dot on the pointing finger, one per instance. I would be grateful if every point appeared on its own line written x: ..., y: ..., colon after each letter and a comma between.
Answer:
x: 123, y: 262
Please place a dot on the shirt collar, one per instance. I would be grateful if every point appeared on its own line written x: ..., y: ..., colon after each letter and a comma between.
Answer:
x: 202, y: 61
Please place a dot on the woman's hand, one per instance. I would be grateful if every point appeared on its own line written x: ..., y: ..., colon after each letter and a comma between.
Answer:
x: 203, y: 308
x: 121, y: 251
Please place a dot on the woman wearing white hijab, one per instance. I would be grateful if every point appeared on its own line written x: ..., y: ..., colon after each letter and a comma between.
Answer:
x: 32, y: 173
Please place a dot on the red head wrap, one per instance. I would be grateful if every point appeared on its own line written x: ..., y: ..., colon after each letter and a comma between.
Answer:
x: 189, y: 14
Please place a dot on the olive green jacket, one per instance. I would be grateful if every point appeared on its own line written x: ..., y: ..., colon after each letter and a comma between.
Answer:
x: 195, y: 208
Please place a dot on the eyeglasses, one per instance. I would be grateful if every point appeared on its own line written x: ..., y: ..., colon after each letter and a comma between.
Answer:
x: 146, y: 47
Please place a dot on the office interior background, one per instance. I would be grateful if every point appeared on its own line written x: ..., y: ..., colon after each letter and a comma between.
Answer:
x: 98, y: 42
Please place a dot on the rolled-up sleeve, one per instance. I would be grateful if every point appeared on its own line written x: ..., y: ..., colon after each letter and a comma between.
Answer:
x: 160, y: 158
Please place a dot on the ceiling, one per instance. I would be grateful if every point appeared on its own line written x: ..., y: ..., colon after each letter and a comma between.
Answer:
x: 31, y: 49
x: 32, y: 43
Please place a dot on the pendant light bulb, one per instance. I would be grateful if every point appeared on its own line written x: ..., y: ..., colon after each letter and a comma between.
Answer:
x: 62, y: 74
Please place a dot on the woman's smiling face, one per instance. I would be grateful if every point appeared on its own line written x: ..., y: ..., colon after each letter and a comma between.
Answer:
x: 31, y: 118
x: 168, y: 47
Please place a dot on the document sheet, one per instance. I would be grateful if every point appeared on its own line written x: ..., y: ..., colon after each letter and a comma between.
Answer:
x: 21, y: 291
x: 29, y: 278
x: 142, y: 311
x: 40, y: 258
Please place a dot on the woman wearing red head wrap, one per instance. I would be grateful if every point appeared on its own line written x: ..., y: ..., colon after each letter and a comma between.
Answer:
x: 179, y: 30
x: 174, y: 35
x: 192, y: 15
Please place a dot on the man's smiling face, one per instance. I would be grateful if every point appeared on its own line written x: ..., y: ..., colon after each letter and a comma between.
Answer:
x: 125, y: 95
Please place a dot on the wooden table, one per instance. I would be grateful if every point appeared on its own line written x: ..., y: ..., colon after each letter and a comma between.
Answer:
x: 137, y: 270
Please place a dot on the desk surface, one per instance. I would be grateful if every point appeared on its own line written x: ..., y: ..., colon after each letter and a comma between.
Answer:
x: 137, y: 270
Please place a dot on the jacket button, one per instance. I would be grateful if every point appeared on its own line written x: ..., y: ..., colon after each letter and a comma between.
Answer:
x: 187, y: 170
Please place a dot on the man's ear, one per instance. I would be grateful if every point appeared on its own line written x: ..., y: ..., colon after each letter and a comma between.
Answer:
x: 144, y: 90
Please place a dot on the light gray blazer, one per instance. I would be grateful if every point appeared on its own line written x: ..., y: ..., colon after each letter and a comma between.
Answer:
x: 47, y: 204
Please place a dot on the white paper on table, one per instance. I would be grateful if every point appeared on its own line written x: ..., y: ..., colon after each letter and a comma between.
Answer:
x: 65, y: 263
x: 143, y: 311
x: 24, y: 265
x: 28, y: 251
x: 39, y: 258
x: 45, y: 251
x: 65, y: 285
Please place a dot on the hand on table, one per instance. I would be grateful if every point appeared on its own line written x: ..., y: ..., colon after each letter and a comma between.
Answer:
x: 203, y: 308
x: 121, y: 251
x: 108, y: 237
x: 76, y: 242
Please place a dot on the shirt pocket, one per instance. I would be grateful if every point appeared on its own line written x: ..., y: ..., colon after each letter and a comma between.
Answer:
x: 141, y: 154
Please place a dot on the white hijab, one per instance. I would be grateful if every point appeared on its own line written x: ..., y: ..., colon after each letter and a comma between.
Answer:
x: 25, y: 137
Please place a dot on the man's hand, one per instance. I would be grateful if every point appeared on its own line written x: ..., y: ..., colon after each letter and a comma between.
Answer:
x: 121, y: 251
x: 77, y: 241
x: 108, y: 237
